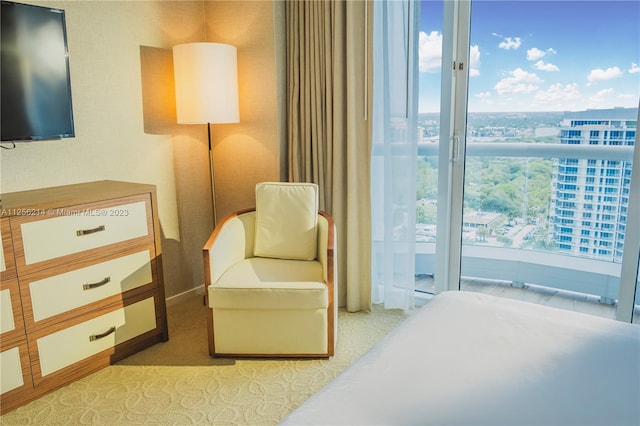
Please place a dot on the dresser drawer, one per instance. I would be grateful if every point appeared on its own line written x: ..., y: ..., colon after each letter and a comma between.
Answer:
x: 80, y: 341
x: 11, y: 323
x: 62, y: 232
x: 7, y: 318
x: 14, y: 369
x: 87, y: 285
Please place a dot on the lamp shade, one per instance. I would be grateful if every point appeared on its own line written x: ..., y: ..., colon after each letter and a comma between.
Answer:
x: 206, y: 83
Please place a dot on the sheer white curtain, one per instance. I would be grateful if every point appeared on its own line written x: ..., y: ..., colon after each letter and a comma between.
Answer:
x: 394, y: 152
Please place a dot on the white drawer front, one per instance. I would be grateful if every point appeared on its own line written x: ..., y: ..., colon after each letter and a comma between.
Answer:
x: 10, y: 370
x: 50, y: 238
x: 74, y: 344
x: 103, y: 280
x: 6, y: 312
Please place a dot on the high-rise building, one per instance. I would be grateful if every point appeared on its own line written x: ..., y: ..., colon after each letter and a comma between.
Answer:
x: 590, y: 196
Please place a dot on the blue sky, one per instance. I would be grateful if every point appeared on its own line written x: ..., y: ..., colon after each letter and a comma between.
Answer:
x: 540, y: 55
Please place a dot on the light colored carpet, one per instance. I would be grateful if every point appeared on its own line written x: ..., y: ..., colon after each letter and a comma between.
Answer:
x: 177, y: 383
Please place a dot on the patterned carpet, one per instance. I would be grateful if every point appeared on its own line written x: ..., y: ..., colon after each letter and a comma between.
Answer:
x: 177, y: 383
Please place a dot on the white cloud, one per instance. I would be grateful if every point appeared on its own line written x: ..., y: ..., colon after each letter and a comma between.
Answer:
x: 603, y: 92
x: 483, y: 95
x: 484, y: 98
x: 634, y: 68
x: 509, y: 43
x: 474, y: 61
x: 627, y: 97
x: 520, y: 81
x: 558, y: 94
x: 603, y: 98
x: 535, y: 53
x: 543, y: 66
x: 430, y: 51
x: 603, y: 75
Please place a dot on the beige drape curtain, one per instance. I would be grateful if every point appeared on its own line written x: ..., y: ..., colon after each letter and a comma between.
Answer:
x: 328, y: 139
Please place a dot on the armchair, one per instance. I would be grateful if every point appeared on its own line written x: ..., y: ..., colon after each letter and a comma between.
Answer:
x: 270, y: 277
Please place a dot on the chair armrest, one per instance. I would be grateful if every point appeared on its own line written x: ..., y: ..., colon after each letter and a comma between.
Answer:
x: 230, y: 243
x: 327, y: 256
x: 326, y: 242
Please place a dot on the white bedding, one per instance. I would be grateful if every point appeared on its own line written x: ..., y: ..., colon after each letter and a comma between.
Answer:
x: 473, y: 359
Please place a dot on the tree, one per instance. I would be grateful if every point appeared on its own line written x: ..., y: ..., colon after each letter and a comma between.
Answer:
x: 427, y: 185
x: 482, y: 232
x: 499, y: 201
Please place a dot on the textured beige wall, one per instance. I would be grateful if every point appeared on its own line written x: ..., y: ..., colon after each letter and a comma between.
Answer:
x: 124, y: 111
x: 247, y: 152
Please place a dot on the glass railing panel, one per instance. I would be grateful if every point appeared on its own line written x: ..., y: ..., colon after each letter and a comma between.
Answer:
x: 525, y: 234
x: 531, y: 235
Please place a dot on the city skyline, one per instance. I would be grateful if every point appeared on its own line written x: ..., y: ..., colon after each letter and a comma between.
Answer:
x: 540, y: 55
x: 560, y: 204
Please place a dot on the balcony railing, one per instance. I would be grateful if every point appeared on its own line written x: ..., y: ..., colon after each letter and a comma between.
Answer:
x: 541, y: 150
x: 553, y: 270
x: 571, y: 273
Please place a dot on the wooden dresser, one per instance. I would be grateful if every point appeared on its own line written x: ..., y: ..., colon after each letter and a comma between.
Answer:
x: 80, y: 283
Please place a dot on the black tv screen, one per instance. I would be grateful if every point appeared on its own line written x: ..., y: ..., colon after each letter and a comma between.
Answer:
x: 35, y: 86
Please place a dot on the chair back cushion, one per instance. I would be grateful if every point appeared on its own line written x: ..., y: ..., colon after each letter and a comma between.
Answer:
x: 286, y: 220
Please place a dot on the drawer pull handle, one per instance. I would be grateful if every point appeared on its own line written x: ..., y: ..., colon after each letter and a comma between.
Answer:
x: 100, y: 336
x: 96, y: 285
x: 82, y: 232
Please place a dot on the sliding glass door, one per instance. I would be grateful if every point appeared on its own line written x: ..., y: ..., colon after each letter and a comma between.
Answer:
x: 636, y: 306
x: 430, y: 82
x: 525, y: 171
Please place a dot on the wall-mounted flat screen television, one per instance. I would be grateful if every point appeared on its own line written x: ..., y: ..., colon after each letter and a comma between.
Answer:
x: 35, y: 85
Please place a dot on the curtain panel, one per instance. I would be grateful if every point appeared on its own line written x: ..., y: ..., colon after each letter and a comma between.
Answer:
x: 394, y: 152
x: 328, y: 66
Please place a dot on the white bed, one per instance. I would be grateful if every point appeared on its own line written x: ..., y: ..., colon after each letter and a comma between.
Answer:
x: 473, y: 359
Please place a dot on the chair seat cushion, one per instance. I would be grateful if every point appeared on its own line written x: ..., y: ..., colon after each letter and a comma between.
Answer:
x: 264, y: 283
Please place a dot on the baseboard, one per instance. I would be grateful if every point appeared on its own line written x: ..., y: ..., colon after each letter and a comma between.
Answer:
x: 181, y: 297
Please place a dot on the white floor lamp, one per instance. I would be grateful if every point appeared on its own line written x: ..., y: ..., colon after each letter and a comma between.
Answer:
x: 206, y: 84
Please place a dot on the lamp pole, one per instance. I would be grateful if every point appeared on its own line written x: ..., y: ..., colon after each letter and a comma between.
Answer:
x: 213, y: 184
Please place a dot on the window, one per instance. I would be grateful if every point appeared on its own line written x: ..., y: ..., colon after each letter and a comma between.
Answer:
x: 630, y: 137
x: 526, y: 205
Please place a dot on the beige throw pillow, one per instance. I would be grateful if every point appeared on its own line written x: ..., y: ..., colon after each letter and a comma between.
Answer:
x: 286, y: 220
